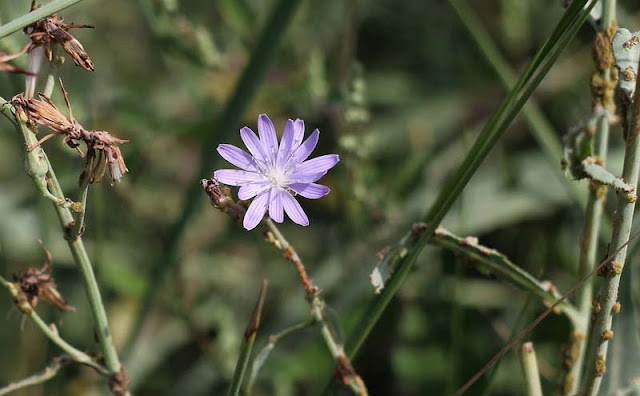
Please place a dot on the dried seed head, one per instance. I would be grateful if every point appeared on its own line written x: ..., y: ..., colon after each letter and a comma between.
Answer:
x: 103, y: 152
x: 38, y: 283
x: 52, y: 30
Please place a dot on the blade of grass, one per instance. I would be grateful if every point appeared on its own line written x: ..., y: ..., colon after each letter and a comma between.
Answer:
x: 248, y: 84
x: 247, y: 343
x: 486, y: 140
x: 35, y: 15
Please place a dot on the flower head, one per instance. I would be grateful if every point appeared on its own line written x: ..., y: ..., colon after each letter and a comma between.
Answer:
x: 273, y: 173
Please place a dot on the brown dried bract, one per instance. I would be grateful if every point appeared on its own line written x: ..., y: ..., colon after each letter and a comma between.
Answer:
x: 5, y: 67
x: 52, y: 30
x: 38, y: 283
x: 102, y: 150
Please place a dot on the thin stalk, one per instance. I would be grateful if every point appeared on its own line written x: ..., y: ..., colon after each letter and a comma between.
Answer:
x: 251, y: 78
x: 35, y: 15
x: 501, y: 266
x: 530, y: 369
x: 344, y: 368
x: 77, y: 248
x: 49, y: 372
x: 540, y: 127
x: 261, y: 357
x: 521, y: 92
x: 247, y: 343
x: 601, y: 328
x: 595, y: 200
x: 75, y: 354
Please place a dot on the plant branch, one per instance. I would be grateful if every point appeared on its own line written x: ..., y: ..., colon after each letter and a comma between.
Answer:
x: 49, y: 372
x: 75, y: 354
x: 499, y: 264
x: 603, y: 92
x: 604, y: 303
x: 261, y: 357
x: 44, y: 177
x: 344, y: 368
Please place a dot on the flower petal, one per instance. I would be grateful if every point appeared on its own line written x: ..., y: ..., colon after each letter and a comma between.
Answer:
x: 275, y: 206
x: 310, y: 190
x: 305, y: 178
x: 268, y: 137
x: 316, y: 165
x: 304, y: 151
x: 237, y: 157
x: 298, y: 133
x: 234, y: 177
x: 250, y: 190
x: 294, y: 210
x: 256, y: 210
x: 253, y: 144
x: 286, y: 142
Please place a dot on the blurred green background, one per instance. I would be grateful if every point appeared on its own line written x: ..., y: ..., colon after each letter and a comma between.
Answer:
x: 399, y: 90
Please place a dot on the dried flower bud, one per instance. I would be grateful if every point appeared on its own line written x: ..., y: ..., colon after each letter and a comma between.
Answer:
x: 103, y: 152
x: 52, y: 30
x: 38, y: 283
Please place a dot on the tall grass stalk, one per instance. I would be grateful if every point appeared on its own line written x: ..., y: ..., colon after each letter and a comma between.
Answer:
x: 566, y: 29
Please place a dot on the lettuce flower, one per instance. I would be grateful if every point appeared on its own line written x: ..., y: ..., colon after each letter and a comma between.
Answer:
x: 274, y: 173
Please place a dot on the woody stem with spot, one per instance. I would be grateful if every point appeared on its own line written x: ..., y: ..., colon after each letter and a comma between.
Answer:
x: 602, y: 98
x: 601, y: 328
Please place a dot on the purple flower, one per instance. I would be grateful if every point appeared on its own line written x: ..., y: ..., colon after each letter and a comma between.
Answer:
x: 274, y: 173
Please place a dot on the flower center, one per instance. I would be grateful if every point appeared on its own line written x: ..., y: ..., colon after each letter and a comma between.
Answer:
x: 277, y: 177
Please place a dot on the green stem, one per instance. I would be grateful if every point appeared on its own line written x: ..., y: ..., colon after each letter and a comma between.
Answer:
x: 530, y: 369
x: 261, y: 357
x: 592, y: 227
x: 499, y: 264
x: 350, y: 377
x: 601, y: 327
x: 49, y: 372
x: 78, y: 251
x: 42, y: 12
x: 247, y: 344
x: 252, y: 76
x: 540, y: 127
x: 521, y: 92
x: 75, y: 354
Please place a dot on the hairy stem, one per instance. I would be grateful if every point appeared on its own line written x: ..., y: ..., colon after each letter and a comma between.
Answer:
x: 604, y: 303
